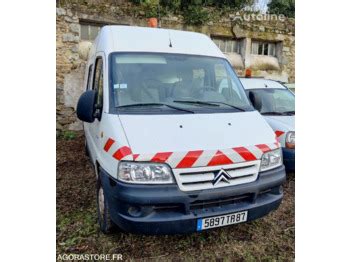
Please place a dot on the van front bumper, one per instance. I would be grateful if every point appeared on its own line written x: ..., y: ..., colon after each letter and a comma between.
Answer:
x: 289, y: 158
x: 165, y: 209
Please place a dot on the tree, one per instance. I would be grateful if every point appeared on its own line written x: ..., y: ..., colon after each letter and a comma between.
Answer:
x: 284, y: 7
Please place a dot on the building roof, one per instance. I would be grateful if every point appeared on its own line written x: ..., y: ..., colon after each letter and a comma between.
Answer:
x: 147, y: 39
x: 257, y: 83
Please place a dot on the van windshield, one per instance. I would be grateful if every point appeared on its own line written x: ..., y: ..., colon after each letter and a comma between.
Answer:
x: 142, y: 81
x: 275, y: 101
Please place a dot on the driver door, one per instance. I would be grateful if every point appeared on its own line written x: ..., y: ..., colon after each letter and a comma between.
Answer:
x: 93, y: 130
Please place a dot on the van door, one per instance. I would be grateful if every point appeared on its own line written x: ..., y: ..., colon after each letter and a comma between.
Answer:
x: 93, y: 130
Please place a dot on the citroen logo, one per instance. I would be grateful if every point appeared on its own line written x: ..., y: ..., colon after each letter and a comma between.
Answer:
x: 221, y: 175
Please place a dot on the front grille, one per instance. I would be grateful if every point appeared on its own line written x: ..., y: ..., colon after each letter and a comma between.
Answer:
x: 203, y: 204
x: 168, y: 208
x: 203, y: 177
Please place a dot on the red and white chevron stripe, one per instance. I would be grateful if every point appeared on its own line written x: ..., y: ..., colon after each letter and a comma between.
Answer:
x: 195, y: 158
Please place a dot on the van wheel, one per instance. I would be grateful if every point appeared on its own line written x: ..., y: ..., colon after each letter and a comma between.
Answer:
x: 104, y: 218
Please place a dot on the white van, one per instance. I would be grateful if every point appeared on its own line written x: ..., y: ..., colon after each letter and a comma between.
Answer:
x: 277, y: 104
x: 173, y: 152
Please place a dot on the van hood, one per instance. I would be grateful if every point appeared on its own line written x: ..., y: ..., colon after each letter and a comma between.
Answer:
x: 187, y: 132
x: 284, y: 123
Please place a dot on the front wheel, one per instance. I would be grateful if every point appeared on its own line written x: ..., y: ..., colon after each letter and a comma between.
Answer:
x: 104, y: 218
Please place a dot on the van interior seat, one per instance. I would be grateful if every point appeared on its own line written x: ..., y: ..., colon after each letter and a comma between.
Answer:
x: 230, y: 95
x: 179, y: 91
x: 214, y: 96
x: 148, y: 95
x: 185, y: 89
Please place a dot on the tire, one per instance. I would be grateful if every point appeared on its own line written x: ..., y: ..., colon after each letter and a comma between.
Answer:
x: 104, y: 218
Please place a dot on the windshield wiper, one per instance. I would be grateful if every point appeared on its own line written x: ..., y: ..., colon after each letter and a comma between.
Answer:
x: 272, y: 113
x: 195, y: 102
x: 155, y: 104
x: 289, y: 113
x: 208, y: 103
x: 223, y: 103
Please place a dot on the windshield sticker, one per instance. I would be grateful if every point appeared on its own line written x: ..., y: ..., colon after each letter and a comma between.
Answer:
x: 121, y: 86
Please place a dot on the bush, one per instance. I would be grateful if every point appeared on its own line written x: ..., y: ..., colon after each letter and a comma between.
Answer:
x: 283, y: 7
x: 172, y: 5
x: 186, y: 4
x: 195, y: 15
x: 150, y: 7
x: 192, y: 10
x: 235, y: 4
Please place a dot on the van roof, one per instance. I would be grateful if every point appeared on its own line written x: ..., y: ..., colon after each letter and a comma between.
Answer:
x: 260, y: 83
x: 147, y: 39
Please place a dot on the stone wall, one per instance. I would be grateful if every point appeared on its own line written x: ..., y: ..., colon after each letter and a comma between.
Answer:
x: 71, y: 51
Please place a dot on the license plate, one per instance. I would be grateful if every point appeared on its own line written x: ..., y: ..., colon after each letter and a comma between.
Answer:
x: 220, y: 221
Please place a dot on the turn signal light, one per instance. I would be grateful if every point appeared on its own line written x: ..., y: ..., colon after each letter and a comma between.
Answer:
x: 248, y: 73
x: 153, y: 22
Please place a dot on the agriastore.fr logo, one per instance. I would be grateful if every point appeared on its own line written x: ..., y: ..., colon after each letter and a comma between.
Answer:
x: 90, y: 257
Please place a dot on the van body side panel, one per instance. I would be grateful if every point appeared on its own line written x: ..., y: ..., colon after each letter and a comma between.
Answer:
x: 114, y: 144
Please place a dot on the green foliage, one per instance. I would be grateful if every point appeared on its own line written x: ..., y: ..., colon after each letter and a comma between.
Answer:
x: 171, y: 5
x: 150, y: 7
x: 136, y: 1
x: 234, y: 4
x: 195, y: 15
x: 194, y: 11
x: 69, y: 135
x: 284, y: 7
x: 183, y: 5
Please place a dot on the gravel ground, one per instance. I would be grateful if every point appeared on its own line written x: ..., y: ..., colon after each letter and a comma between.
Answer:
x: 268, y: 239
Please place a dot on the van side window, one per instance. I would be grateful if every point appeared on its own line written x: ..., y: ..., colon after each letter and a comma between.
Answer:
x: 98, y: 82
x: 88, y: 84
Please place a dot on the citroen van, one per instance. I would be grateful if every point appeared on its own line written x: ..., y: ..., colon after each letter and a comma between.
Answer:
x: 277, y: 104
x: 174, y: 149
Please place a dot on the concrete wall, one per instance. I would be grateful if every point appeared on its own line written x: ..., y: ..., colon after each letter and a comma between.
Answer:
x: 71, y: 51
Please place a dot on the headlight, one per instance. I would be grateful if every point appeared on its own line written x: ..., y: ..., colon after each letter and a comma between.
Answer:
x: 271, y: 159
x: 290, y: 139
x: 144, y: 173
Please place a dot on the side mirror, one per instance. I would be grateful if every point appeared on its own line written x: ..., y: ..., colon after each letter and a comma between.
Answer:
x: 256, y: 101
x: 86, y: 106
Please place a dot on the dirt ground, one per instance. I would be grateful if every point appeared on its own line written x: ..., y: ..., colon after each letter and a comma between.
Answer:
x: 268, y: 239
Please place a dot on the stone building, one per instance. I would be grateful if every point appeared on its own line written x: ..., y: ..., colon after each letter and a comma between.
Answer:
x: 264, y: 44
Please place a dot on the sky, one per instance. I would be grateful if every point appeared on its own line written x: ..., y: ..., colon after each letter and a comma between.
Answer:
x: 261, y: 5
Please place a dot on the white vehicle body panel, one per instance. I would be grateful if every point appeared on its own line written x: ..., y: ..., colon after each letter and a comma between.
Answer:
x: 162, y: 133
x: 260, y: 83
x: 283, y: 124
x: 156, y: 40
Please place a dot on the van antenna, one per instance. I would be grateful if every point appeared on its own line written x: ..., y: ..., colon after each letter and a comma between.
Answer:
x: 170, y: 44
x: 159, y: 23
